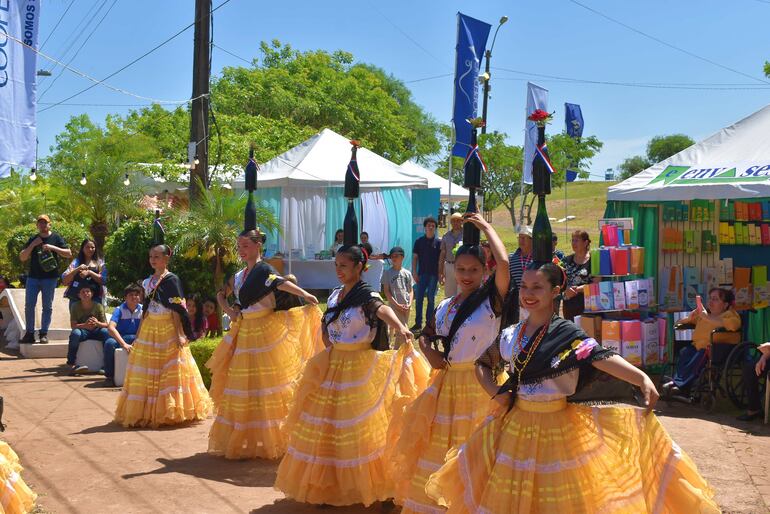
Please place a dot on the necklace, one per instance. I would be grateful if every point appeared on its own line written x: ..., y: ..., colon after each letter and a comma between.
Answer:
x: 452, y: 304
x: 517, y: 364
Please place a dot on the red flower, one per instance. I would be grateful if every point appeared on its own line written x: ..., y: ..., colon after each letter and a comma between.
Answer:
x: 539, y: 116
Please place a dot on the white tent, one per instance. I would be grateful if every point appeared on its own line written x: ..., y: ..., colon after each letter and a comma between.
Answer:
x: 459, y: 193
x: 321, y: 161
x: 304, y: 187
x: 733, y: 163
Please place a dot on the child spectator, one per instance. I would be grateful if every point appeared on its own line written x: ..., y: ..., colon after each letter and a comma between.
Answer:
x: 88, y: 322
x: 692, y: 358
x: 123, y: 326
x: 213, y: 320
x: 397, y: 285
x: 198, y: 319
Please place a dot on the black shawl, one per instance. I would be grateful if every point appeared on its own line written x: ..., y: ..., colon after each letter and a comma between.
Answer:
x: 468, y: 307
x: 169, y: 293
x: 556, y: 355
x: 361, y: 295
x: 262, y: 280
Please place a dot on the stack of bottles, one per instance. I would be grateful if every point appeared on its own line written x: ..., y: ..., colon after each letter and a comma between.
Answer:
x: 624, y: 260
x: 619, y: 296
x: 642, y: 343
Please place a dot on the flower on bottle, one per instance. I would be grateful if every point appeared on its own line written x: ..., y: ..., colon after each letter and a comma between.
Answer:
x: 477, y: 122
x: 540, y: 117
x: 355, y: 142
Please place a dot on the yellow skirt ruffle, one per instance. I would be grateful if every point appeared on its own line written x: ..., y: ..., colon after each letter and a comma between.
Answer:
x: 339, y: 421
x: 15, y: 496
x: 442, y: 417
x: 163, y: 385
x: 551, y: 457
x: 304, y: 324
x: 254, y: 373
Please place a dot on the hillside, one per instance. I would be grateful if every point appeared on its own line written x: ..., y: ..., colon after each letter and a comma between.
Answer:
x: 586, y: 201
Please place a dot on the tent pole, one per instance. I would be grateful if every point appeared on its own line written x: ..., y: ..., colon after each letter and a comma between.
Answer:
x: 290, y: 237
x: 451, y: 148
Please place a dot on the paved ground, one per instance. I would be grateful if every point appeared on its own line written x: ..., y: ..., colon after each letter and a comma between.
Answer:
x: 78, y: 462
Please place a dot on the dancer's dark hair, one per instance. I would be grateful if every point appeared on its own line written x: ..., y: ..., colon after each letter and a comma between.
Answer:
x: 553, y: 273
x: 254, y: 235
x: 164, y: 248
x: 472, y: 250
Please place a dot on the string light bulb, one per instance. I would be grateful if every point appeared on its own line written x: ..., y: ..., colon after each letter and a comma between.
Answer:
x: 33, y: 175
x: 197, y: 161
x: 83, y: 180
x: 126, y: 182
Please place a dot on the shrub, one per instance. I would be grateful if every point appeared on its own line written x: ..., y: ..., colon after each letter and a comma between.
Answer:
x: 126, y: 257
x: 73, y: 234
x: 201, y: 351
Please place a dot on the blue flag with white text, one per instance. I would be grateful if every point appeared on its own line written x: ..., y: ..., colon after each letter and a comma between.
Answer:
x: 573, y: 117
x: 472, y: 37
x: 19, y: 20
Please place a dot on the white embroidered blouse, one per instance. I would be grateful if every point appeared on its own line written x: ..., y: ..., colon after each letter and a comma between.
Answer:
x: 268, y: 302
x: 549, y: 389
x: 149, y: 285
x: 350, y: 327
x: 475, y: 334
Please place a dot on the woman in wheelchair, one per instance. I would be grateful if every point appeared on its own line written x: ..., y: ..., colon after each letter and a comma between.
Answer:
x: 752, y: 371
x: 692, y: 358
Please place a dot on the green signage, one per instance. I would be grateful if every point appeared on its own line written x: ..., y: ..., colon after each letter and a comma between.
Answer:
x: 686, y: 175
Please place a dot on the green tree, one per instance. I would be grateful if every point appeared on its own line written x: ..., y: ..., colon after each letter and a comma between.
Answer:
x: 663, y: 147
x: 208, y: 229
x: 632, y: 166
x: 101, y: 155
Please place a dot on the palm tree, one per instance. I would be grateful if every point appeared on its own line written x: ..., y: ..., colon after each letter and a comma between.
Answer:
x: 210, y: 225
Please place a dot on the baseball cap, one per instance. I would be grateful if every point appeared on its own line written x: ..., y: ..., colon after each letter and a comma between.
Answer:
x: 525, y: 230
x: 44, y: 217
x: 456, y: 216
x: 396, y: 250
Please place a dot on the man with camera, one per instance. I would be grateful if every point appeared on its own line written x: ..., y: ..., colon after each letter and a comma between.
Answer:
x: 43, y: 251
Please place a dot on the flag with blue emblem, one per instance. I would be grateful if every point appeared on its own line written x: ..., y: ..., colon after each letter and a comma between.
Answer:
x: 472, y: 37
x: 573, y: 117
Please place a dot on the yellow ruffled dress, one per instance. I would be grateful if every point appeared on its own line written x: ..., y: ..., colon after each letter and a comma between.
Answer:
x: 163, y: 385
x: 339, y: 420
x: 548, y: 456
x: 446, y: 413
x: 253, y: 378
x: 15, y: 496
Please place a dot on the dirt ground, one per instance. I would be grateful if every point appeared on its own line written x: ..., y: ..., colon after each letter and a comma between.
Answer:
x: 79, y: 462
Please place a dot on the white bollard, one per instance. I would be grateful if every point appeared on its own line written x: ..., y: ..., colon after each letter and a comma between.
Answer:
x: 91, y: 354
x: 121, y: 362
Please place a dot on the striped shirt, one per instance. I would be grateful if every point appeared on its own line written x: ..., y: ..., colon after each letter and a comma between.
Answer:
x: 516, y: 266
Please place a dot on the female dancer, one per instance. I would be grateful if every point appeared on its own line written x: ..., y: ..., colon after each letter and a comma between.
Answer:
x: 547, y: 456
x: 445, y: 414
x: 255, y: 367
x: 15, y: 496
x: 346, y: 397
x: 163, y: 385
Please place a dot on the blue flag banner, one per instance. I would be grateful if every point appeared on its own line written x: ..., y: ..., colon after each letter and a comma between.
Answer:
x: 19, y: 20
x: 472, y: 37
x: 573, y: 117
x: 571, y: 175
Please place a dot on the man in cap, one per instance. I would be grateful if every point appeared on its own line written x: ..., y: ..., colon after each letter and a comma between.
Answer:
x: 43, y: 250
x: 518, y: 262
x: 446, y: 270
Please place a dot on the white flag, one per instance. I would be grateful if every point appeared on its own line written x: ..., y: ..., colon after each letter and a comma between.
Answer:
x: 537, y: 98
x: 19, y: 20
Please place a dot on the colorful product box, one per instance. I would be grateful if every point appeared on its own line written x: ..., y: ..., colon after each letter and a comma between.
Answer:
x: 650, y: 343
x: 631, y: 341
x: 611, y: 335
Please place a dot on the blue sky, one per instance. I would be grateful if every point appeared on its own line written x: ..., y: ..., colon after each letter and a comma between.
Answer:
x: 415, y: 40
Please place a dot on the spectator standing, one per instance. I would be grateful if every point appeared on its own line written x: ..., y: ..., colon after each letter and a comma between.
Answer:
x: 122, y: 328
x: 88, y: 322
x: 213, y: 321
x: 452, y: 239
x: 427, y: 250
x: 517, y: 263
x: 43, y: 251
x: 86, y: 270
x: 752, y: 370
x: 578, y: 269
x: 397, y: 285
x: 557, y: 253
x: 197, y: 317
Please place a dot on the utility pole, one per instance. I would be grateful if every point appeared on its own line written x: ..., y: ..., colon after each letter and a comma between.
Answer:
x: 199, y: 120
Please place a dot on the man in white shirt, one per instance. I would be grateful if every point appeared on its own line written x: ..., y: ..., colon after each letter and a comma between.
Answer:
x: 446, y: 269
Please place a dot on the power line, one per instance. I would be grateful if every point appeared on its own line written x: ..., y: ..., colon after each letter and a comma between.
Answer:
x: 428, y: 78
x: 156, y: 47
x: 232, y: 54
x: 406, y: 35
x: 57, y: 23
x: 96, y: 82
x: 79, y: 48
x: 665, y: 43
x: 73, y: 36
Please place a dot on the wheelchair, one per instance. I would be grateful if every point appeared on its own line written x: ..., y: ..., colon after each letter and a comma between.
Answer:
x: 722, y: 373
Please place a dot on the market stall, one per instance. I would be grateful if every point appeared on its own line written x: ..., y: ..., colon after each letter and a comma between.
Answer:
x: 304, y: 189
x: 703, y: 216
